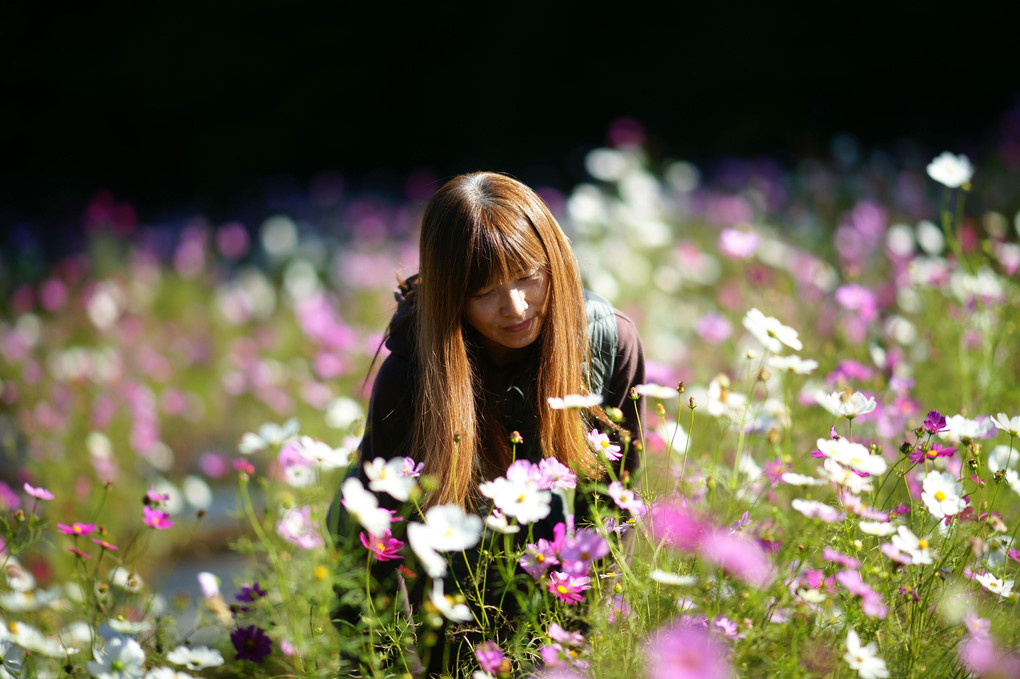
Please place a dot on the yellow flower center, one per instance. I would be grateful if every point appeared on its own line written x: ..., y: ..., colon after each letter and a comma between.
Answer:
x: 12, y: 625
x: 540, y: 558
x: 940, y: 496
x: 561, y: 589
x: 922, y: 544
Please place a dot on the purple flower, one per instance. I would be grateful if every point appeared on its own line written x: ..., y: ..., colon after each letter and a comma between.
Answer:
x: 491, y: 658
x: 250, y: 593
x: 686, y: 652
x: 157, y: 518
x: 538, y: 558
x: 296, y: 526
x: 619, y: 609
x: 251, y: 643
x: 579, y: 551
x: 935, y: 422
x: 936, y: 450
x: 830, y: 554
x: 38, y: 493
x: 568, y: 588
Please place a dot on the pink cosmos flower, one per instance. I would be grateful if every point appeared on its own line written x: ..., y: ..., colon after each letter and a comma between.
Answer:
x: 581, y: 549
x: 830, y: 554
x: 936, y: 450
x: 625, y: 498
x: 385, y: 548
x: 601, y: 443
x: 296, y: 526
x: 243, y: 466
x: 38, y: 493
x: 738, y: 243
x: 491, y: 658
x: 619, y: 609
x: 105, y: 545
x: 76, y: 529
x: 713, y: 328
x: 568, y: 588
x: 980, y: 656
x: 78, y: 553
x: 676, y: 526
x: 155, y: 498
x: 557, y: 633
x: 681, y: 651
x: 871, y: 601
x: 538, y: 557
x: 157, y: 518
x: 935, y: 422
x: 738, y: 555
x: 555, y: 475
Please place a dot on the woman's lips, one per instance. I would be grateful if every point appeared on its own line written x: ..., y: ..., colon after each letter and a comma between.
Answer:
x: 520, y: 327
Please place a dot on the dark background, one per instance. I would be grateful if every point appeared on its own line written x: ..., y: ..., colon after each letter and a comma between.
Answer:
x: 180, y: 106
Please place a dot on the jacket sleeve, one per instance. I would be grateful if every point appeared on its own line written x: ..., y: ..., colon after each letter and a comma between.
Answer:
x: 628, y: 372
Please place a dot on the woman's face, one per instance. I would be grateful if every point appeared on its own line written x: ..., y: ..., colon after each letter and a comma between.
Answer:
x: 509, y: 315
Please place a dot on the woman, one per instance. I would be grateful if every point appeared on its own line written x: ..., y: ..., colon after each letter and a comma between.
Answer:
x: 495, y: 324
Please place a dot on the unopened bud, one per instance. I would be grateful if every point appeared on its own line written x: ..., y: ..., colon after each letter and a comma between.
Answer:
x: 516, y: 438
x: 633, y: 394
x: 660, y: 410
x: 763, y: 375
x: 680, y: 387
x: 691, y: 404
x: 615, y: 414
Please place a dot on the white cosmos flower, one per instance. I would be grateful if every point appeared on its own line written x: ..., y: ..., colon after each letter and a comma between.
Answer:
x: 817, y: 510
x: 129, y: 627
x: 389, y: 477
x: 722, y: 402
x: 959, y: 428
x: 770, y: 332
x: 165, y: 673
x: 879, y: 528
x: 993, y: 584
x: 850, y: 454
x: 452, y: 529
x: 572, y: 401
x: 195, y: 657
x: 1010, y: 425
x: 1002, y: 457
x: 420, y: 539
x: 795, y: 479
x: 951, y: 170
x: 864, y: 658
x: 846, y: 404
x: 364, y: 507
x: 123, y: 658
x: 450, y: 609
x: 497, y: 522
x: 792, y: 364
x: 321, y: 454
x: 11, y: 659
x: 942, y: 494
x: 270, y: 434
x: 916, y: 547
x: 521, y: 498
x: 126, y: 580
x: 667, y: 578
x: 657, y: 391
x: 209, y: 583
x: 844, y: 476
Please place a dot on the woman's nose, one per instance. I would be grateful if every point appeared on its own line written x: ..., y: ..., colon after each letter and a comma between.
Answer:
x: 515, y: 304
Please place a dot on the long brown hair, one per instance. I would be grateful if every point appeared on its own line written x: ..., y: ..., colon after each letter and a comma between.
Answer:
x: 479, y: 228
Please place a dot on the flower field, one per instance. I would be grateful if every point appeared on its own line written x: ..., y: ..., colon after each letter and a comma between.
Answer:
x: 828, y: 486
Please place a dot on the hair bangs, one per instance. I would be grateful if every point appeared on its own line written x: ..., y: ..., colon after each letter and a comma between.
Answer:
x: 508, y: 246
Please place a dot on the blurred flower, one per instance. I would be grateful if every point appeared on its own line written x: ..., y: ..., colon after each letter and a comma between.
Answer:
x: 619, y: 609
x: 77, y: 528
x: 951, y: 170
x: 680, y: 651
x: 384, y: 548
x: 739, y: 556
x: 738, y: 243
x: 657, y: 391
x: 713, y: 328
x: 864, y: 658
x: 296, y: 526
x: 364, y: 507
x: 817, y: 510
x: 156, y: 518
x: 667, y: 578
x: 626, y: 498
x: 580, y: 549
x: 916, y: 547
x: 497, y: 522
x: 574, y: 401
x: 389, y: 477
x: 521, y: 498
x: 960, y: 429
x: 770, y: 332
x: 209, y: 583
x: 126, y: 580
x: 852, y: 455
x: 1002, y: 457
x: 877, y: 528
x: 123, y: 658
x: 538, y: 558
x: 269, y: 434
x: 195, y: 658
x: 934, y: 422
x: 793, y: 364
x: 554, y: 475
x: 976, y: 625
x: 447, y: 605
x: 38, y: 493
x: 251, y: 643
x: 491, y: 658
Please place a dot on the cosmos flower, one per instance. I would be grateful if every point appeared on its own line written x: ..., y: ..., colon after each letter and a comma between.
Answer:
x: 942, y: 494
x: 847, y: 404
x: 157, y: 518
x: 251, y: 643
x: 568, y: 588
x: 384, y: 548
x: 76, y: 529
x: 864, y: 659
x: 1010, y: 425
x: 916, y: 547
x: 854, y: 455
x: 950, y: 170
x: 792, y: 364
x: 657, y: 391
x: 123, y: 658
x: 451, y: 609
x: 626, y: 498
x: 491, y: 659
x: 683, y: 651
x: 995, y: 585
x: 389, y: 477
x: 195, y: 658
x: 817, y: 510
x: 364, y: 507
x: 574, y: 401
x: 38, y: 493
x: 770, y: 332
x: 600, y: 442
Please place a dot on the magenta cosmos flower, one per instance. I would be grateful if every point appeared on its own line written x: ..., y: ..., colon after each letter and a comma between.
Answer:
x: 676, y: 526
x: 38, y: 493
x: 568, y: 588
x: 491, y: 658
x: 385, y: 548
x: 82, y: 529
x: 681, y: 651
x: 157, y: 518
